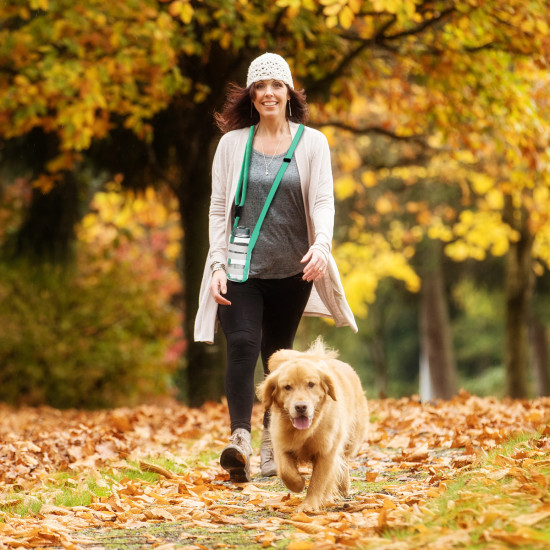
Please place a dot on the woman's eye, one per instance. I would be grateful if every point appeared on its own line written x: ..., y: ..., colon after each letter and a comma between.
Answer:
x: 311, y: 384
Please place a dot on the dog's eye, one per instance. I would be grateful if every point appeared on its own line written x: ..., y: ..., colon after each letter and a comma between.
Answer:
x: 311, y: 384
x: 288, y: 387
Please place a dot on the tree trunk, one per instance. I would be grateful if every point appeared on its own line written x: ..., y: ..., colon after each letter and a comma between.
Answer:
x: 48, y: 231
x: 205, y: 363
x: 539, y: 344
x: 188, y: 137
x: 201, y: 378
x: 519, y: 289
x: 375, y: 343
x: 435, y: 330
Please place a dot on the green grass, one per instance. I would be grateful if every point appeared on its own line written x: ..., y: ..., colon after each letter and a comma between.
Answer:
x: 68, y: 490
x: 480, y: 502
x: 21, y: 506
x: 231, y: 536
x: 476, y: 502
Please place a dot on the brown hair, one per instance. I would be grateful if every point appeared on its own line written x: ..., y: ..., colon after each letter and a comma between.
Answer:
x: 239, y: 111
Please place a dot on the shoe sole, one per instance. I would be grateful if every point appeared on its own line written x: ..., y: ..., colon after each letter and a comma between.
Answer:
x: 271, y: 472
x: 235, y: 463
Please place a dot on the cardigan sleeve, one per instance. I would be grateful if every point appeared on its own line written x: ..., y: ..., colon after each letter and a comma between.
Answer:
x: 217, y: 222
x: 321, y: 197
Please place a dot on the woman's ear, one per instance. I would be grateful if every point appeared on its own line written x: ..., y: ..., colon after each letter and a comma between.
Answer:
x: 280, y: 357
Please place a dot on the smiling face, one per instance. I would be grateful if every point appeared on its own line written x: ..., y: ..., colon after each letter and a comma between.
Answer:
x: 270, y: 98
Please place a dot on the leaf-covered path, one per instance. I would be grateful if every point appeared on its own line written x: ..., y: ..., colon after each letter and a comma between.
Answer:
x: 148, y: 478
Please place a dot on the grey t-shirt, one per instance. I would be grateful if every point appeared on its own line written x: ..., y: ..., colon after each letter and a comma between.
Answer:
x: 282, y: 241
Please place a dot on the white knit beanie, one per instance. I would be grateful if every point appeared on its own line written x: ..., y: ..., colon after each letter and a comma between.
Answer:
x: 269, y: 66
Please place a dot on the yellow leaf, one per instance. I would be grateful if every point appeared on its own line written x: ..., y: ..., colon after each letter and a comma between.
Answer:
x: 346, y: 17
x: 331, y: 22
x: 40, y: 4
x: 527, y: 25
x: 300, y: 545
x: 368, y: 178
x: 383, y: 205
x: 175, y: 8
x: 344, y: 187
x: 542, y: 26
x: 481, y: 183
x: 186, y: 14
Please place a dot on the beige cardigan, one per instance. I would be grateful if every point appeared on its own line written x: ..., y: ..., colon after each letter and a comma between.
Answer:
x: 313, y: 161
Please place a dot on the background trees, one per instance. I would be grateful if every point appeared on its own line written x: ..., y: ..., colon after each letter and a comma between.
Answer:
x: 435, y: 110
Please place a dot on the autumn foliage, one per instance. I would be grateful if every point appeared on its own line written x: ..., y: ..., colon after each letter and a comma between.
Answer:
x: 150, y: 475
x: 106, y: 330
x: 436, y: 112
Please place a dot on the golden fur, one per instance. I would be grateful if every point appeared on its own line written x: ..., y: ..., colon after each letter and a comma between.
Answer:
x: 319, y: 414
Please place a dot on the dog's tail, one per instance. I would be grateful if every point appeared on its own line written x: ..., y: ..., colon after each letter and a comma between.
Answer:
x: 318, y: 348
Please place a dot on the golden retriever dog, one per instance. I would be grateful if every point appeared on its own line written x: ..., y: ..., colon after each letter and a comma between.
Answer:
x: 319, y: 415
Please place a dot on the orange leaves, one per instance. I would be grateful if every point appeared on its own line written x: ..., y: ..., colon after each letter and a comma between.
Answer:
x: 412, y: 458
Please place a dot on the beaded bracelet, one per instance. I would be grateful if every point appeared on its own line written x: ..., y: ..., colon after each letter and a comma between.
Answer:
x: 216, y: 266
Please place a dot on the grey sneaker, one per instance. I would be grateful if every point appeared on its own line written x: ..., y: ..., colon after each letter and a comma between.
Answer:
x: 267, y: 460
x: 235, y: 458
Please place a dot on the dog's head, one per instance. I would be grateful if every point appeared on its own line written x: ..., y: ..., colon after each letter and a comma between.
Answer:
x: 299, y: 384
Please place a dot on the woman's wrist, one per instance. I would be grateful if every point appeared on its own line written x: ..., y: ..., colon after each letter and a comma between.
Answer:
x: 217, y: 266
x: 321, y: 249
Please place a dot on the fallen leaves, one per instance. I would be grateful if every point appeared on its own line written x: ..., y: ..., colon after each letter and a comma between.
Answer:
x: 158, y: 465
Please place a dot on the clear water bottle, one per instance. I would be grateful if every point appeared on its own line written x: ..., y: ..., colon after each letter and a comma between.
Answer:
x: 236, y: 253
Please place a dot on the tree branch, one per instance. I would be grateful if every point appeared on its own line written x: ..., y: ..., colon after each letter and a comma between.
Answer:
x: 422, y: 26
x: 417, y: 138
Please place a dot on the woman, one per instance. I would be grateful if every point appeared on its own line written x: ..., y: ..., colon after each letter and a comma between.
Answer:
x: 292, y: 271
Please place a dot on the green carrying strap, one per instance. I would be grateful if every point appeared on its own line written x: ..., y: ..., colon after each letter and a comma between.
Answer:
x: 240, y: 194
x: 242, y: 186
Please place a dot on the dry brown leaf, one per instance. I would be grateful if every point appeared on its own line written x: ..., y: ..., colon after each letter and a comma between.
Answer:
x: 155, y: 468
x: 420, y: 447
x: 522, y: 537
x: 533, y: 518
x: 300, y: 545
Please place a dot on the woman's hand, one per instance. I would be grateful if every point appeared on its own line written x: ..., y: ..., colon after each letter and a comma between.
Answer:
x: 218, y: 286
x: 316, y: 265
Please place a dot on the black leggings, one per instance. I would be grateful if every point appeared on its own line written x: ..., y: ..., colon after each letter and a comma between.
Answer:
x: 263, y: 317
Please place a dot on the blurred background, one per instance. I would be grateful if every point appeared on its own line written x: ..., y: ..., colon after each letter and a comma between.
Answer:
x: 438, y: 118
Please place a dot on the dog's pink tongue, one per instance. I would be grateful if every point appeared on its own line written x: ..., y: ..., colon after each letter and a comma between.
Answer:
x: 301, y: 422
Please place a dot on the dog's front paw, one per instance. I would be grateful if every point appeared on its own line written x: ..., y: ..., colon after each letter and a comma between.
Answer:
x: 295, y: 483
x: 310, y: 507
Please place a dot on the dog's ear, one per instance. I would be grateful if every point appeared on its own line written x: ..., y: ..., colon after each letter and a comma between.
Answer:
x: 280, y: 357
x: 328, y: 384
x: 266, y: 391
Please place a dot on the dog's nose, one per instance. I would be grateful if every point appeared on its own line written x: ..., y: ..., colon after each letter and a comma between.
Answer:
x: 300, y: 407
